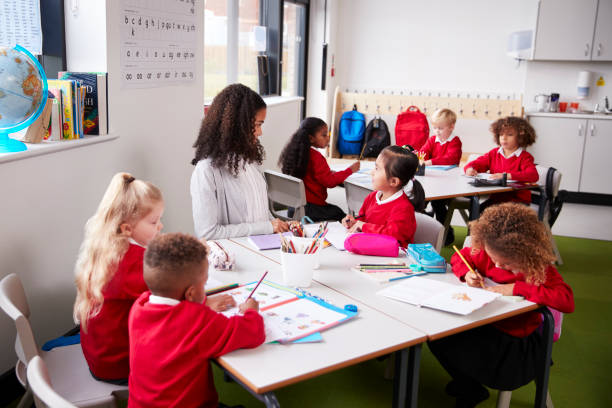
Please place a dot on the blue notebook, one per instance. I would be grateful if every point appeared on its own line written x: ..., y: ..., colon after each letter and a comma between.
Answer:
x: 268, y: 241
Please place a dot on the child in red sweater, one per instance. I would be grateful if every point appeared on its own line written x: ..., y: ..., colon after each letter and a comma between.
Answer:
x: 388, y: 210
x: 173, y: 334
x: 511, y: 247
x: 513, y: 135
x: 109, y: 272
x: 300, y: 158
x: 444, y: 149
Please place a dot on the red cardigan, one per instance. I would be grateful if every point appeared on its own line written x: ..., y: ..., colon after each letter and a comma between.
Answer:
x: 395, y: 218
x: 554, y: 292
x: 319, y: 178
x: 445, y: 154
x: 170, y: 347
x: 106, y: 344
x: 521, y: 168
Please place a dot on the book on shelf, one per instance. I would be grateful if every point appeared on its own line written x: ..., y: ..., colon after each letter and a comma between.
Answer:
x: 95, y: 104
x: 54, y: 131
x: 64, y: 88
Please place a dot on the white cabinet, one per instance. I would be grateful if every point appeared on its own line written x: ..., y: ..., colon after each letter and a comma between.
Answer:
x: 571, y: 30
x: 581, y: 149
x: 595, y: 176
x: 559, y: 144
x: 602, y: 41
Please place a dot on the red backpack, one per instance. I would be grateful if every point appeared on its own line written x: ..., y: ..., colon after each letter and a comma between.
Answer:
x: 411, y: 128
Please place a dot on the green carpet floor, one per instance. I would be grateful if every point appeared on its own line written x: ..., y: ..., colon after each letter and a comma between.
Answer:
x: 582, y: 356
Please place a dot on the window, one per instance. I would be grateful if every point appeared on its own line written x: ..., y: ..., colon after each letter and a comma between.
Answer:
x: 294, y: 49
x: 229, y: 44
x: 215, y: 47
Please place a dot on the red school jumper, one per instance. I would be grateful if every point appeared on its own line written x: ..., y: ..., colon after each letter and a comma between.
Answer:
x: 519, y: 166
x: 106, y: 343
x: 319, y: 178
x: 554, y: 292
x: 170, y: 348
x: 443, y: 154
x: 394, y: 217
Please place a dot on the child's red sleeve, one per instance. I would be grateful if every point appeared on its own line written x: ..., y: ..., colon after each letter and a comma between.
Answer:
x: 221, y: 335
x: 527, y: 170
x: 324, y: 175
x: 400, y: 224
x: 459, y: 267
x: 481, y: 164
x: 427, y: 148
x: 554, y: 292
x: 452, y: 155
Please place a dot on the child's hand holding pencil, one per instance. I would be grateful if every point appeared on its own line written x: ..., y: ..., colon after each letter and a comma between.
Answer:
x: 472, y: 278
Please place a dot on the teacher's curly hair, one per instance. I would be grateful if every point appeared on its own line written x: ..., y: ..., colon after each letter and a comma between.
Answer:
x: 227, y: 131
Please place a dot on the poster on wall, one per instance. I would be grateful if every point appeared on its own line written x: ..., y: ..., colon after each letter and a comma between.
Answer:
x: 20, y: 24
x: 158, y: 42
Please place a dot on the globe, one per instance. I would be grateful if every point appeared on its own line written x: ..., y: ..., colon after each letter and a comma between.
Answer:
x: 23, y: 84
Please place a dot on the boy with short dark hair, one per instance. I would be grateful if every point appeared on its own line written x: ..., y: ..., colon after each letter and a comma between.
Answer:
x: 173, y: 333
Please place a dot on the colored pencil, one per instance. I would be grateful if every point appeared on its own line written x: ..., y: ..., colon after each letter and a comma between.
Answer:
x: 469, y: 266
x: 256, y: 286
x: 221, y: 289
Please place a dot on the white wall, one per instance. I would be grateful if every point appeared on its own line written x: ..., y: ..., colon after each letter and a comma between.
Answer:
x: 440, y: 44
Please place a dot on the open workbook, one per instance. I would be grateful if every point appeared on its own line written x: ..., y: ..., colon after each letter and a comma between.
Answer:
x: 454, y: 298
x: 289, y: 315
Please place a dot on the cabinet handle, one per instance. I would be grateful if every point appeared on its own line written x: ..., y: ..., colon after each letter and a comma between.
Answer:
x: 586, y: 50
x: 580, y: 130
x: 599, y: 49
x: 592, y: 130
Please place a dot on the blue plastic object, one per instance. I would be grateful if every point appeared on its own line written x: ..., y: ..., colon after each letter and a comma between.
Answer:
x: 61, y: 342
x: 8, y: 145
x: 427, y: 257
x: 350, y: 308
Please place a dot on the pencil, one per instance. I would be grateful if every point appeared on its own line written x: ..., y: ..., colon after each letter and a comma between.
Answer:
x: 256, y: 286
x: 221, y: 289
x: 469, y: 266
x: 362, y: 150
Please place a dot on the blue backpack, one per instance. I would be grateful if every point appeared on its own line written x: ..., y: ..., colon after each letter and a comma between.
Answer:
x: 351, y: 132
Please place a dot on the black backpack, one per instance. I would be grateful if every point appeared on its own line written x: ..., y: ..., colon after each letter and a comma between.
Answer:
x: 377, y: 137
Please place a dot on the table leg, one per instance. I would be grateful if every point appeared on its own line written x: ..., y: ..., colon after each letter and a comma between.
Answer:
x: 474, y: 207
x: 268, y: 398
x: 406, y: 380
x: 544, y: 373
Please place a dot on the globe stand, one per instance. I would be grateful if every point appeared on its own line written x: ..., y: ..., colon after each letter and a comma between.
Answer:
x: 8, y: 145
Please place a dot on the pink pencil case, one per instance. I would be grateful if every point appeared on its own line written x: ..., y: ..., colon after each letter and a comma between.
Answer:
x: 372, y: 244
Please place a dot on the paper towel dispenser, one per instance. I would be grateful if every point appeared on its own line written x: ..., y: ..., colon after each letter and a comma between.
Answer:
x: 520, y: 44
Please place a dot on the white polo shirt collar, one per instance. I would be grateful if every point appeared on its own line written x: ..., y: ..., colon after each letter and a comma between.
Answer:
x: 162, y: 300
x: 388, y: 200
x: 516, y: 153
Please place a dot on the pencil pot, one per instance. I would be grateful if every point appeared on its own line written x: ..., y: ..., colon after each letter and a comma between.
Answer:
x: 420, y: 171
x: 298, y: 268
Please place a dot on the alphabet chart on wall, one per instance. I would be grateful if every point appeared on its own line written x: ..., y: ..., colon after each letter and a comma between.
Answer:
x: 158, y: 42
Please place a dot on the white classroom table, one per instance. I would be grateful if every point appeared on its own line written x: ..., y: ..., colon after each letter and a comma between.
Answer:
x: 334, y: 272
x: 369, y: 335
x: 437, y: 184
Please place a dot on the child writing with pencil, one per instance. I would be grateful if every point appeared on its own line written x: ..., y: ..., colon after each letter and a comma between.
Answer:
x: 443, y: 148
x: 300, y: 158
x: 512, y: 248
x: 109, y: 272
x: 173, y: 334
x: 388, y: 210
x: 512, y: 135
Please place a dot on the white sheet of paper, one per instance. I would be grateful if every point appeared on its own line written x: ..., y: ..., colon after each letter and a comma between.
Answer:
x: 20, y: 24
x: 452, y: 298
x: 336, y: 235
x: 265, y: 295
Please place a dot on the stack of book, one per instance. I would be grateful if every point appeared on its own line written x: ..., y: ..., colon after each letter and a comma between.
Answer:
x: 79, y: 105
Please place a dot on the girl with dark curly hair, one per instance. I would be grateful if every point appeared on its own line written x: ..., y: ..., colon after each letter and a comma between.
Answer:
x: 512, y: 248
x: 228, y: 193
x: 300, y: 158
x: 512, y: 135
x: 388, y: 210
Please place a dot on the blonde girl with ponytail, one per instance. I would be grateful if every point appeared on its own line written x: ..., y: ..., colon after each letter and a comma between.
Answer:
x: 109, y: 272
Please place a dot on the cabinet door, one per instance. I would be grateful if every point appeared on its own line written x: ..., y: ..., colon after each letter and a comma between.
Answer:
x: 602, y: 43
x: 565, y: 29
x: 559, y: 144
x: 597, y: 154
